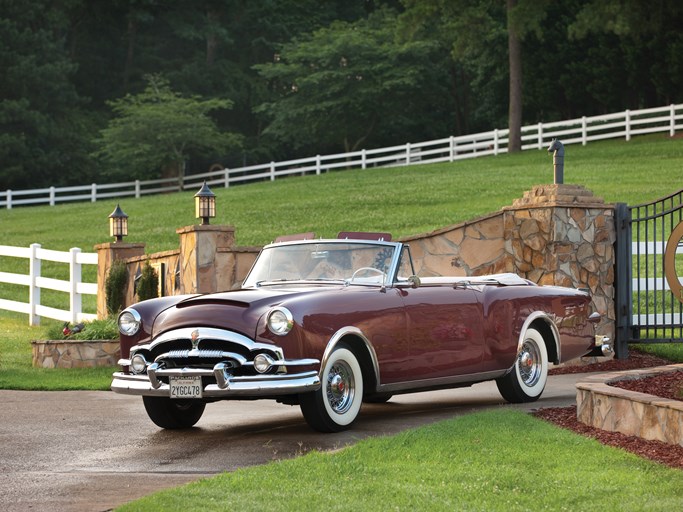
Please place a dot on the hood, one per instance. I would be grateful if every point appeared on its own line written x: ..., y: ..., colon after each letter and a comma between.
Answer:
x: 238, y: 310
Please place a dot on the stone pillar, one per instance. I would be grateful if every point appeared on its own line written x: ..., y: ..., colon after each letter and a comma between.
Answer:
x: 201, y: 250
x: 106, y: 254
x: 563, y: 235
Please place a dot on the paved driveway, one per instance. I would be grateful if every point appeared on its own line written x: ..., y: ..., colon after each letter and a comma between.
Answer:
x: 92, y: 451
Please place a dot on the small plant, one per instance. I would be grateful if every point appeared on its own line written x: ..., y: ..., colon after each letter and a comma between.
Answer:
x: 115, y: 287
x: 148, y: 284
x: 105, y: 329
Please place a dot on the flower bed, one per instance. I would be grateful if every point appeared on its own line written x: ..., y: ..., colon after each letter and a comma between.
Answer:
x: 610, y: 408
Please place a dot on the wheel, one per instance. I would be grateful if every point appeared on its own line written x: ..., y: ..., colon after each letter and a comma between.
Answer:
x: 335, y: 406
x: 526, y: 381
x: 378, y: 398
x: 173, y: 414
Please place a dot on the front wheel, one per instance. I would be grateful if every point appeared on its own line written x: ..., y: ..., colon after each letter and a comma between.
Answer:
x: 173, y: 414
x: 335, y: 406
x: 526, y: 381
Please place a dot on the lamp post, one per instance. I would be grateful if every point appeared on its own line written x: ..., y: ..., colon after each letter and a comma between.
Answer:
x: 118, y: 224
x: 205, y: 204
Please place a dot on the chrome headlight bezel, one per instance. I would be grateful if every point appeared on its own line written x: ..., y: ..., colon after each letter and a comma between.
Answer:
x: 280, y: 321
x: 138, y: 364
x: 129, y: 322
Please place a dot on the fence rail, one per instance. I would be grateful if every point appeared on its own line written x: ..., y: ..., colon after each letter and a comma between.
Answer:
x: 75, y: 287
x: 581, y: 130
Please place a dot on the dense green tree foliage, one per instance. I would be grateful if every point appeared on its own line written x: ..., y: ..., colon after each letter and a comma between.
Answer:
x: 310, y: 76
x: 159, y: 129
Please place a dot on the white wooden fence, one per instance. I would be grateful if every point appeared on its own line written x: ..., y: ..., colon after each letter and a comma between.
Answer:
x: 537, y: 136
x: 75, y: 287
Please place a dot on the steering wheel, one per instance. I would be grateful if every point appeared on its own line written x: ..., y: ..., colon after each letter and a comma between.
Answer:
x: 369, y: 269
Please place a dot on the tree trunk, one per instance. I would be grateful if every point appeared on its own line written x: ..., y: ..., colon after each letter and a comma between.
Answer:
x: 130, y: 51
x: 213, y: 19
x: 515, y: 63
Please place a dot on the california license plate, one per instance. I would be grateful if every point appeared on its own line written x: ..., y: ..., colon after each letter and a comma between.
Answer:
x: 186, y: 387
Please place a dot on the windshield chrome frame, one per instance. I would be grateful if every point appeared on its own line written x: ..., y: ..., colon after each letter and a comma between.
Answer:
x: 391, y: 273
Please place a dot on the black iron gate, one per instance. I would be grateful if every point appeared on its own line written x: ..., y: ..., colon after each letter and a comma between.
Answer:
x: 649, y: 261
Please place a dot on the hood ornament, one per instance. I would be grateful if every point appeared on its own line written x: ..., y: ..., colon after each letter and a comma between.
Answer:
x: 194, y: 338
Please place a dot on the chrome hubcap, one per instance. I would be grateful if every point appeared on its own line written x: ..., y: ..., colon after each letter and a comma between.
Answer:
x: 528, y: 363
x: 340, y: 387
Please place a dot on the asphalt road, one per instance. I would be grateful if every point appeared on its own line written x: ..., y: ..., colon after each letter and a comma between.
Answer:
x: 77, y: 451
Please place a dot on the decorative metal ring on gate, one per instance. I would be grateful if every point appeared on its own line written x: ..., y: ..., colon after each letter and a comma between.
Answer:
x: 670, y: 261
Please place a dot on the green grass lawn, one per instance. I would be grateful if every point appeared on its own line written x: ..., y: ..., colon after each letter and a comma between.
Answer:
x: 501, y: 460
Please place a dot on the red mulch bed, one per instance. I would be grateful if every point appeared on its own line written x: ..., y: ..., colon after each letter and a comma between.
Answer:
x: 667, y: 386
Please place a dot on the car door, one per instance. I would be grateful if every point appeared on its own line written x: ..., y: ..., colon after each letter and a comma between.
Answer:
x: 445, y: 330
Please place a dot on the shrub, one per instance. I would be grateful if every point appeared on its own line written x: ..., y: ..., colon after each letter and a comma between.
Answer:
x: 115, y: 287
x: 105, y: 329
x: 148, y: 284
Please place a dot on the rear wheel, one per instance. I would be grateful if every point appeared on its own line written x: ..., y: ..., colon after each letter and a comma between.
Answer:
x: 335, y: 406
x: 173, y: 414
x: 526, y: 381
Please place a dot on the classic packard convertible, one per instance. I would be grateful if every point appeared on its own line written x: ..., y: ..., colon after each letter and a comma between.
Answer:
x: 329, y: 323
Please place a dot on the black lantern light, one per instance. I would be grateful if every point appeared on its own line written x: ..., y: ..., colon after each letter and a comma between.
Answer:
x: 118, y: 224
x: 205, y: 204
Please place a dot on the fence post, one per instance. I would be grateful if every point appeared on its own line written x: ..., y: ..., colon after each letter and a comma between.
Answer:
x: 52, y: 196
x: 272, y: 171
x: 75, y: 302
x: 317, y: 164
x: 672, y: 120
x: 226, y: 177
x: 93, y: 193
x: 9, y: 199
x: 452, y: 148
x: 623, y: 280
x: 627, y: 122
x: 363, y: 159
x: 137, y: 189
x: 408, y: 153
x: 540, y: 135
x: 584, y: 131
x: 34, y: 290
x: 495, y: 142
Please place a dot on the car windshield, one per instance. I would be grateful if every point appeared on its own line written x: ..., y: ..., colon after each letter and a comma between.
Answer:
x: 351, y: 262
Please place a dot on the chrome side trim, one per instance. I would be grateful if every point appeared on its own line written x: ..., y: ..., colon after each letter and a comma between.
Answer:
x: 440, y: 382
x: 542, y: 316
x: 339, y: 336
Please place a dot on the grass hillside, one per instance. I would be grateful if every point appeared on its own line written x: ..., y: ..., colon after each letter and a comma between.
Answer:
x: 403, y: 200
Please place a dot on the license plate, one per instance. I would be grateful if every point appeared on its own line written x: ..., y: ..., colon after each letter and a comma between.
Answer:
x: 186, y: 387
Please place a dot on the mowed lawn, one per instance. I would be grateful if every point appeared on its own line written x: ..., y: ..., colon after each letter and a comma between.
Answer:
x: 501, y: 460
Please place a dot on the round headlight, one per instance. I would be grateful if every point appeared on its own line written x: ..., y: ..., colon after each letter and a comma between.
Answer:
x: 129, y: 322
x: 280, y: 321
x: 262, y: 363
x: 138, y: 364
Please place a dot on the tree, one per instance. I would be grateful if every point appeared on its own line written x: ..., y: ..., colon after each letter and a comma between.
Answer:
x: 347, y: 83
x: 43, y: 126
x: 475, y: 31
x: 154, y: 132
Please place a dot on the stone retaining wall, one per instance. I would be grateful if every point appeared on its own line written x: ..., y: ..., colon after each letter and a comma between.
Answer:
x: 75, y: 353
x: 630, y: 412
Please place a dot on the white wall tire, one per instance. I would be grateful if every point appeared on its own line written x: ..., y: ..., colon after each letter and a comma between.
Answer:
x: 527, y: 380
x: 335, y: 406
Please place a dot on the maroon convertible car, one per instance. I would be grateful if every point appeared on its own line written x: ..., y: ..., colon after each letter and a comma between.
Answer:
x: 328, y: 324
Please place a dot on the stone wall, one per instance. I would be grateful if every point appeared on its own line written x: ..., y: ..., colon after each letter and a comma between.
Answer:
x: 553, y: 235
x: 75, y: 353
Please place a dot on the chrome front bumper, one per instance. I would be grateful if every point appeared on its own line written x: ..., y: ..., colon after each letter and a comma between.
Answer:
x: 227, y: 385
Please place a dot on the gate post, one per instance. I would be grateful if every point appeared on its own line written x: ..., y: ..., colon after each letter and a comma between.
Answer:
x: 623, y: 281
